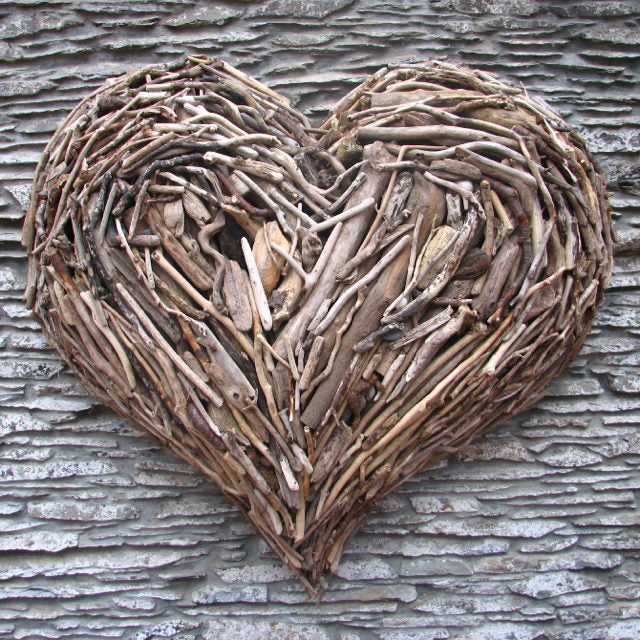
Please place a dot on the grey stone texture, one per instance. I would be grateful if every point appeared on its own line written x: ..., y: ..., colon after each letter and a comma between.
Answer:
x: 532, y: 534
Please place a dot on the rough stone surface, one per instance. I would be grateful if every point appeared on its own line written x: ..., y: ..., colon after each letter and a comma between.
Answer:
x: 531, y: 535
x: 554, y: 584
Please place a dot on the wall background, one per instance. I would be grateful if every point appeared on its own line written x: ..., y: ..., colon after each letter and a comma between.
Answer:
x: 534, y: 535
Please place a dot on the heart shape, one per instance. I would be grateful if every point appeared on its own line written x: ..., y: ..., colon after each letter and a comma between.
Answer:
x: 311, y: 316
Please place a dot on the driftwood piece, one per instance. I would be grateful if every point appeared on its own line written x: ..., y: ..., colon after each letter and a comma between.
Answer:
x: 310, y: 316
x: 236, y: 296
x: 269, y: 263
x: 434, y: 254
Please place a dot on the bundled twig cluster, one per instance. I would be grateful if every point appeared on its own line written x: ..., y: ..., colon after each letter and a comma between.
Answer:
x: 310, y: 316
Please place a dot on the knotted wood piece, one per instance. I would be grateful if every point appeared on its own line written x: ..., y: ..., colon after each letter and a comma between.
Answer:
x: 311, y: 316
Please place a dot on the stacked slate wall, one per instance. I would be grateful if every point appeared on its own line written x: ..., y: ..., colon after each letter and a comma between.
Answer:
x: 532, y: 534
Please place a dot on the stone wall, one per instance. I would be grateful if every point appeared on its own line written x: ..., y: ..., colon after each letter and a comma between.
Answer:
x: 533, y: 534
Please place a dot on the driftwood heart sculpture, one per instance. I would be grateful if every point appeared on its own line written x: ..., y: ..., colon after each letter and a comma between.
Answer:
x: 310, y: 316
